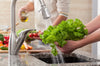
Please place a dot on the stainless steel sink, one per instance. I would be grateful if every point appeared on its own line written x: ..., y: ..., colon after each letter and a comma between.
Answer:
x: 44, y: 59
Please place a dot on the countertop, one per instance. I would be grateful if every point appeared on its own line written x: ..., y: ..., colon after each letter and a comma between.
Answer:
x: 26, y: 59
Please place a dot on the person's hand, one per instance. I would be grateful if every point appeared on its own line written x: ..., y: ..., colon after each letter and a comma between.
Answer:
x: 27, y: 8
x: 38, y: 37
x: 69, y: 47
x: 21, y: 10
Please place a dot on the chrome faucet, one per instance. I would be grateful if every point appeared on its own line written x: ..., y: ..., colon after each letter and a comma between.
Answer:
x: 16, y: 42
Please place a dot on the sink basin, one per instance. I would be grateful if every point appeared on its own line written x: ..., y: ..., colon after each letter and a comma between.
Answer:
x: 68, y: 58
x: 44, y: 59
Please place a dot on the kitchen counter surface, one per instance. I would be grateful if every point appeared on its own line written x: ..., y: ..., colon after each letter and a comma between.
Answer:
x: 31, y: 60
x: 26, y: 59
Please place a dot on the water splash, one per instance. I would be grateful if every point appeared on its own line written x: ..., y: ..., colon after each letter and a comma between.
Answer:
x: 57, y: 59
x: 48, y: 23
x: 60, y: 56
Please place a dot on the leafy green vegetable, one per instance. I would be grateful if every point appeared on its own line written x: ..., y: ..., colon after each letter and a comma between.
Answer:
x: 3, y: 48
x: 66, y: 30
x: 1, y: 37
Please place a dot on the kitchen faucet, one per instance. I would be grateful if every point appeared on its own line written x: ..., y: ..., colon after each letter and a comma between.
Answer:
x: 16, y: 42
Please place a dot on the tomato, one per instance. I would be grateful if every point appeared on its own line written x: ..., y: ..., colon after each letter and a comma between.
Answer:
x: 5, y: 42
x: 6, y: 37
x: 35, y: 34
x: 31, y: 35
x: 1, y: 42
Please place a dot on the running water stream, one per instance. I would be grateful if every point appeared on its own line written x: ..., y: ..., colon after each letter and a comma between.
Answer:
x: 59, y: 58
x: 56, y: 59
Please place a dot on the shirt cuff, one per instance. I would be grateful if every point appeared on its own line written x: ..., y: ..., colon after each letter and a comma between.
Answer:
x: 63, y: 14
x: 31, y: 0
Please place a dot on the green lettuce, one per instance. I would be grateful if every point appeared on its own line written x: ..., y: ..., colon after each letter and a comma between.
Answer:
x: 66, y: 30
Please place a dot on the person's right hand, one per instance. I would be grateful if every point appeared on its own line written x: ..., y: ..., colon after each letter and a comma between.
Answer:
x: 27, y: 8
x: 20, y: 11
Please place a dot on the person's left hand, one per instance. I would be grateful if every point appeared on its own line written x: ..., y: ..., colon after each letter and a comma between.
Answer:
x: 38, y: 37
x: 69, y: 47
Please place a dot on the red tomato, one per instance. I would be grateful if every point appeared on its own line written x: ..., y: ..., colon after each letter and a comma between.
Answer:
x: 5, y: 42
x: 35, y: 34
x: 1, y: 42
x: 31, y: 35
x: 6, y: 37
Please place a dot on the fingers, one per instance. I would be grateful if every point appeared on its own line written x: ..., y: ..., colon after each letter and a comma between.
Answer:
x: 66, y: 51
x: 37, y: 38
x: 40, y: 33
x: 61, y: 49
x: 56, y: 43
x: 19, y: 13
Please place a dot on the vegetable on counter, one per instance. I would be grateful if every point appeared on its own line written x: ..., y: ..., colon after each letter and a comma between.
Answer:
x: 22, y: 47
x: 27, y: 47
x: 3, y: 47
x: 1, y: 43
x: 66, y: 30
x: 4, y: 41
x: 1, y: 37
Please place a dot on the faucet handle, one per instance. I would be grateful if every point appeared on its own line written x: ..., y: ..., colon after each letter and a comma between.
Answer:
x: 26, y: 31
x: 21, y: 39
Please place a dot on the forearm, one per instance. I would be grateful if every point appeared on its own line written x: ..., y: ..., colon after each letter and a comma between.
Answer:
x: 59, y: 19
x: 93, y: 25
x: 29, y: 7
x: 93, y: 37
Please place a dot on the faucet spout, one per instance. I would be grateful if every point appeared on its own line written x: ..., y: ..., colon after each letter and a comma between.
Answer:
x: 21, y: 39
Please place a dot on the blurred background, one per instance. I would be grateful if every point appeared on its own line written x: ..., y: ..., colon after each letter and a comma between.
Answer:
x: 81, y: 9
